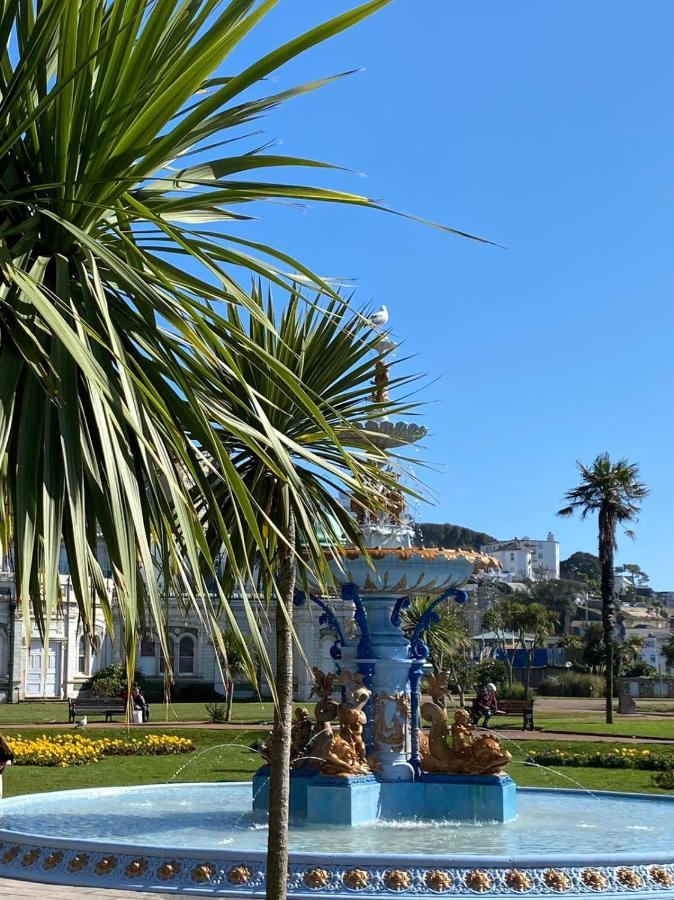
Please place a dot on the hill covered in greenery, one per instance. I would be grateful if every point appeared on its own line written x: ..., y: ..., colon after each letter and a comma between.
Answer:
x: 452, y: 537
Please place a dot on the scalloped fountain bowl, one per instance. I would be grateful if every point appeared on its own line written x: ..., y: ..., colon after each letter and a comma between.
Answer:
x: 203, y: 839
x: 401, y: 571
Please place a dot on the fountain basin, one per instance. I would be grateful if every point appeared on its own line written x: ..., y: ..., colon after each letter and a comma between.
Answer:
x: 203, y: 839
x: 402, y: 571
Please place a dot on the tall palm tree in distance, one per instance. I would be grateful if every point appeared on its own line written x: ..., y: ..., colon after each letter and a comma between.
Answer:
x: 613, y: 491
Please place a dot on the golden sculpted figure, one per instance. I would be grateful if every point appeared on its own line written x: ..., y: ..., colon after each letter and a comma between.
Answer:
x: 346, y: 755
x: 468, y: 754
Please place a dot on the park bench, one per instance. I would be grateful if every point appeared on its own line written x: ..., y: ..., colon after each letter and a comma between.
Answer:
x: 95, y: 706
x: 525, y: 708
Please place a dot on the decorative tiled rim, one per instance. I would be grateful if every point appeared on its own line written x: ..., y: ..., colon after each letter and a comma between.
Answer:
x: 232, y: 873
x: 245, y: 877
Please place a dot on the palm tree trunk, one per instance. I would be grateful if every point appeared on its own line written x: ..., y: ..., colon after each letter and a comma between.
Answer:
x: 279, y: 783
x: 607, y: 528
x: 230, y: 700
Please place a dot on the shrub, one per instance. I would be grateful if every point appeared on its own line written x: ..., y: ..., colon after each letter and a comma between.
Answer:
x: 64, y: 750
x: 110, y: 681
x: 572, y: 684
x: 216, y: 712
x: 493, y: 670
x: 622, y: 758
x: 664, y: 779
x: 515, y: 691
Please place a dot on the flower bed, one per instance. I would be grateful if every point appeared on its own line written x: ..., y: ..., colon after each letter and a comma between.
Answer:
x: 622, y: 758
x: 65, y: 750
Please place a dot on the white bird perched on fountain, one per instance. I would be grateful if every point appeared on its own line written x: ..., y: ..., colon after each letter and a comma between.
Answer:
x: 379, y: 318
x: 82, y: 722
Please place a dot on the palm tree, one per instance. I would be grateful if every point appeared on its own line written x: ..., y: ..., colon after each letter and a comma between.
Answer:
x: 614, y: 492
x: 232, y: 664
x: 320, y: 450
x: 634, y: 645
x: 113, y: 263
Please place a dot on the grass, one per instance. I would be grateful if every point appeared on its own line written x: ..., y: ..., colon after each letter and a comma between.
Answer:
x: 593, y: 723
x: 56, y: 713
x: 226, y: 756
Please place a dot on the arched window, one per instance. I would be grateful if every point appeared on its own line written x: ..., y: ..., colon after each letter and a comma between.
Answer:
x: 147, y: 647
x: 82, y: 656
x: 186, y: 655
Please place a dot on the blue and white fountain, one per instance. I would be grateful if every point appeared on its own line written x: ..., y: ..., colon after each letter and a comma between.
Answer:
x: 380, y: 809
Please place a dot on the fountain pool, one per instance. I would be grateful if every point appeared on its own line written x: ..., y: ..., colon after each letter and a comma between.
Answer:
x: 204, y: 839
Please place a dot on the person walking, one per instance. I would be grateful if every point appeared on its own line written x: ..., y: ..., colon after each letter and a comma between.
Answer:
x: 6, y: 759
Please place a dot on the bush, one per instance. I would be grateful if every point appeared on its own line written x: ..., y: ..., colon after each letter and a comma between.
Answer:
x: 493, y: 670
x: 64, y: 750
x: 622, y: 758
x: 638, y: 669
x: 572, y: 684
x: 216, y: 712
x: 515, y: 691
x: 664, y: 779
x: 110, y: 681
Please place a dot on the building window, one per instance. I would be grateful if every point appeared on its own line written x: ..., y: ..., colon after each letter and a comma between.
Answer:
x: 82, y: 654
x: 186, y: 655
x: 512, y: 557
x: 147, y: 647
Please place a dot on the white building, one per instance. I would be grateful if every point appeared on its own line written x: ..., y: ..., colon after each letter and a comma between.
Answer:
x: 652, y: 626
x: 524, y: 558
x: 71, y: 660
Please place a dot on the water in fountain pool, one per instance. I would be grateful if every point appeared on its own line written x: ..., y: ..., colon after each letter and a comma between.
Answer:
x: 217, y: 816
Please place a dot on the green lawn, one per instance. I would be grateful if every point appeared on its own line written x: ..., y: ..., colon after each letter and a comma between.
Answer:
x: 226, y: 756
x: 56, y: 713
x: 220, y: 756
x: 593, y: 723
x: 579, y: 721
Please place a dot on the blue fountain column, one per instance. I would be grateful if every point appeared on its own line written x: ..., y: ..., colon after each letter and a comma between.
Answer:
x: 382, y: 656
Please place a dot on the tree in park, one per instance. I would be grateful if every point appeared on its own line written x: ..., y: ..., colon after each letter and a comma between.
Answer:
x: 121, y: 190
x: 532, y: 623
x: 117, y: 250
x: 232, y: 665
x: 636, y: 574
x: 560, y: 597
x: 614, y: 492
x: 321, y: 451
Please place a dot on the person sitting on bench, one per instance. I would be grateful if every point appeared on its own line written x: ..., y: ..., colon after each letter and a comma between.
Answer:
x: 485, y: 705
x: 140, y: 703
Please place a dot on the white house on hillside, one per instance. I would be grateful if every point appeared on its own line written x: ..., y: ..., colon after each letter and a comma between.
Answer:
x: 524, y: 558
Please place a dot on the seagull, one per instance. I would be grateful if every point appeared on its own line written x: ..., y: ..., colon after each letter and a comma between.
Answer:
x: 82, y: 722
x: 379, y: 318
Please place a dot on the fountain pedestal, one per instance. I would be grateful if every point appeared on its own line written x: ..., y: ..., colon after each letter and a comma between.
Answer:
x: 363, y: 799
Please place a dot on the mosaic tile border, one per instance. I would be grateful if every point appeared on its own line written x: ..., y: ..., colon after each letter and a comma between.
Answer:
x: 244, y: 876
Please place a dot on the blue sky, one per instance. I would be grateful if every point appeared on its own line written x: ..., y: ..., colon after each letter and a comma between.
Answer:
x: 546, y: 127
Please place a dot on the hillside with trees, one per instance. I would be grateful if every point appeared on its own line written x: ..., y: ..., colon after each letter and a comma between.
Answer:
x: 452, y: 537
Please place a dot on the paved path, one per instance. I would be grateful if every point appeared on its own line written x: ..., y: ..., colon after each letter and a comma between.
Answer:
x: 23, y: 890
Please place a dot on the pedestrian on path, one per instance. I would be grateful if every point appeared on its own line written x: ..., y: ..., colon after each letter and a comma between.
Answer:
x: 6, y: 759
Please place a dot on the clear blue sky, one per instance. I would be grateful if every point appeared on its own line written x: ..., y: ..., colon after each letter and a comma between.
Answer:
x: 547, y: 127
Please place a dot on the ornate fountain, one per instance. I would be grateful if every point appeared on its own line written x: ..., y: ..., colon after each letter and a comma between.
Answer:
x: 362, y: 760
x: 379, y: 763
